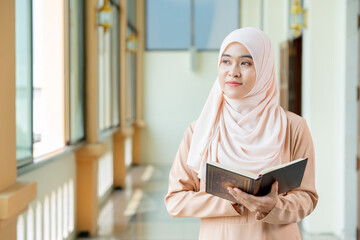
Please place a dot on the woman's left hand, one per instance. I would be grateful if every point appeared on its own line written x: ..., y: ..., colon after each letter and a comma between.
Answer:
x: 255, y: 203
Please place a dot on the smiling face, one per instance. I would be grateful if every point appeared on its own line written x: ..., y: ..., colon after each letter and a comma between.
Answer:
x: 237, y: 73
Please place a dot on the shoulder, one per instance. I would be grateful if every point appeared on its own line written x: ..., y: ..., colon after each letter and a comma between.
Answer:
x: 192, y: 126
x: 189, y: 132
x: 297, y: 129
x: 294, y: 121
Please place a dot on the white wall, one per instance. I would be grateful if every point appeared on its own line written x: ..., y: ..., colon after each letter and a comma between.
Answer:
x: 275, y: 24
x: 250, y: 13
x: 173, y: 98
x: 329, y: 105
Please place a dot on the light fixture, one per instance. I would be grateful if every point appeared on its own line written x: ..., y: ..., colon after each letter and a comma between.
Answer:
x: 298, y: 19
x: 105, y: 16
x: 131, y: 44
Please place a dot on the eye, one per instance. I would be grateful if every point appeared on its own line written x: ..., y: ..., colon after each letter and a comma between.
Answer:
x: 246, y: 63
x: 225, y: 61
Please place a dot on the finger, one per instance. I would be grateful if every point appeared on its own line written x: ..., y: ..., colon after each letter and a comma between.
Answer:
x: 232, y: 192
x: 275, y: 188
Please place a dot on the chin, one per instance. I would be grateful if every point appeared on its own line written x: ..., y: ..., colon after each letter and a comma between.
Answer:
x: 234, y: 95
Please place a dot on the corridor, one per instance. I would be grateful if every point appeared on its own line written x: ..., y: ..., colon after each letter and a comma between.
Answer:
x: 96, y: 96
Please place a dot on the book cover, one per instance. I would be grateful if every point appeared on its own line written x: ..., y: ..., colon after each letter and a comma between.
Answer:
x: 219, y: 178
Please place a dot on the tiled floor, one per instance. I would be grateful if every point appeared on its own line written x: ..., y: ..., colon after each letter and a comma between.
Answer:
x: 139, y: 213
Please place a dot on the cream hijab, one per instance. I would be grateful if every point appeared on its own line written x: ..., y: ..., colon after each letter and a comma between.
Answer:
x: 248, y: 133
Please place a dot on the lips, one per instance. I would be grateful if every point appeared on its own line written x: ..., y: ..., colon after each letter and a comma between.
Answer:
x: 233, y: 83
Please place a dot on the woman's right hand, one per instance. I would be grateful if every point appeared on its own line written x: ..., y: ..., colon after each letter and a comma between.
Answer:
x: 256, y: 203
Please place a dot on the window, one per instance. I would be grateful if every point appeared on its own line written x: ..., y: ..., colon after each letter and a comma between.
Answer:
x: 130, y: 82
x: 115, y: 37
x: 77, y: 70
x: 104, y: 48
x: 131, y: 12
x: 23, y: 47
x: 40, y: 78
x: 108, y: 73
x: 131, y: 64
x: 48, y: 76
x: 170, y: 23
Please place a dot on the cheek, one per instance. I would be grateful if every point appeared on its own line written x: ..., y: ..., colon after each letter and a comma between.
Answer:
x: 251, y: 78
x: 221, y: 76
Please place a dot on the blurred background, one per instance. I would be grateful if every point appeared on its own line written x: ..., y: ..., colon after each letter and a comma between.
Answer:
x: 95, y: 97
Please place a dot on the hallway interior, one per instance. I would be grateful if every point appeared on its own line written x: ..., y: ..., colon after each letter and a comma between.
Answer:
x: 96, y: 96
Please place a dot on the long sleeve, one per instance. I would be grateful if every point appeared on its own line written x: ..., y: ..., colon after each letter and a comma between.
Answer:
x: 185, y: 197
x: 297, y: 204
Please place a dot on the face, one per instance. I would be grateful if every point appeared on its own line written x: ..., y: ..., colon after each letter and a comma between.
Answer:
x: 236, y: 71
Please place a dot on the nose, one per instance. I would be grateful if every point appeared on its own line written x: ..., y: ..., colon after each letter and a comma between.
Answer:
x: 234, y: 71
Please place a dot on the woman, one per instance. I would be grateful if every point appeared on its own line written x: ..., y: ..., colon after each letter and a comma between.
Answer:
x: 243, y: 126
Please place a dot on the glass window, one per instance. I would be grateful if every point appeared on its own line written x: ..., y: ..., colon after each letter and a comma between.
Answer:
x: 169, y: 23
x: 48, y: 76
x: 130, y: 82
x: 131, y: 12
x: 115, y: 33
x: 77, y: 69
x: 104, y: 75
x: 23, y: 42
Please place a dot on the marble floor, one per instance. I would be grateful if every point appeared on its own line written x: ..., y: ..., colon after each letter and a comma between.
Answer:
x: 138, y: 212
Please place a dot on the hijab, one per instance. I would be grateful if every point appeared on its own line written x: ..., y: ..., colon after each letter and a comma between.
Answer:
x: 246, y: 133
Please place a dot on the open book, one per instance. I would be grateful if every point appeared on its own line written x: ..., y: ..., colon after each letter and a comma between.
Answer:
x: 220, y: 177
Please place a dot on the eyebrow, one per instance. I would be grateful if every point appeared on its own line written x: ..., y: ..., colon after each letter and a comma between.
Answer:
x: 243, y: 56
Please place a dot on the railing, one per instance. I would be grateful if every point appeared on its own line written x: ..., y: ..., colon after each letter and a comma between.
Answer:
x: 52, y: 214
x: 51, y: 217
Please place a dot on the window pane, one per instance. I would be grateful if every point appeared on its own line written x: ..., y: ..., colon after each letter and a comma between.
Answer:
x: 104, y: 63
x: 130, y: 84
x: 131, y: 7
x: 77, y: 85
x: 168, y: 24
x: 23, y: 79
x: 115, y: 69
x: 214, y: 19
x: 48, y: 76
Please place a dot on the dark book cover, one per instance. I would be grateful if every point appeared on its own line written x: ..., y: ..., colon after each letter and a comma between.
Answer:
x: 288, y: 177
x: 218, y: 179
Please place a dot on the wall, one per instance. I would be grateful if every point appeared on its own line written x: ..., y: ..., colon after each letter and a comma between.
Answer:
x: 330, y: 108
x: 272, y: 18
x: 250, y: 13
x: 275, y: 24
x: 173, y: 98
